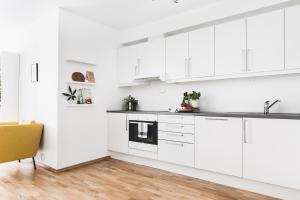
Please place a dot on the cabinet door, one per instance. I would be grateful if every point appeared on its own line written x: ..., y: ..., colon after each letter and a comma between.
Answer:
x: 292, y: 33
x: 218, y: 145
x: 201, y: 52
x: 142, y: 52
x: 271, y: 151
x: 176, y: 56
x: 176, y: 152
x: 230, y: 47
x: 118, y: 132
x: 265, y: 41
x: 127, y: 64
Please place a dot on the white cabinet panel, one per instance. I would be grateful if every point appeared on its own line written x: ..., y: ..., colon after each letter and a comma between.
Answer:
x: 176, y: 56
x: 176, y: 128
x: 142, y: 52
x: 179, y: 137
x: 201, y: 52
x: 265, y: 41
x: 218, y: 145
x: 271, y: 151
x: 292, y: 28
x: 176, y: 119
x: 176, y: 152
x: 126, y: 64
x: 118, y: 137
x: 230, y: 47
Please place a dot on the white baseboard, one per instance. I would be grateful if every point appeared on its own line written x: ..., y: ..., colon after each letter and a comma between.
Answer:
x: 244, y: 184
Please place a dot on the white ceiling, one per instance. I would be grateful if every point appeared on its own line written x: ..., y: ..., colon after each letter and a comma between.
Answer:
x: 120, y: 14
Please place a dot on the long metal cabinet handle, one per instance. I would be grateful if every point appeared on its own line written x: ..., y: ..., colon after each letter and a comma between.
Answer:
x: 173, y: 143
x: 126, y: 121
x: 246, y: 140
x: 217, y: 119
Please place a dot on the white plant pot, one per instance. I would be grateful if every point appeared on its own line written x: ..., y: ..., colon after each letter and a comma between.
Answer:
x: 195, y: 103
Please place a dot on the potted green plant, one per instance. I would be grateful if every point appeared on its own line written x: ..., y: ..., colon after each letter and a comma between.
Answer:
x: 71, y: 95
x: 194, y: 99
x: 130, y: 103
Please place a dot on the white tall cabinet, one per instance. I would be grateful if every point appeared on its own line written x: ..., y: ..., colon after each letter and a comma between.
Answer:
x: 271, y: 151
x: 218, y: 145
x: 265, y: 42
x: 118, y: 132
x: 230, y: 42
x: 292, y: 39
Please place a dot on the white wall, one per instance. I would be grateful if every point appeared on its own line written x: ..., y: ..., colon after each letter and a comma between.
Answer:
x: 83, y: 131
x: 9, y: 65
x: 38, y: 101
x: 247, y: 94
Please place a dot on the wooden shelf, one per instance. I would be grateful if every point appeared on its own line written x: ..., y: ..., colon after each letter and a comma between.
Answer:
x: 80, y: 62
x: 80, y: 83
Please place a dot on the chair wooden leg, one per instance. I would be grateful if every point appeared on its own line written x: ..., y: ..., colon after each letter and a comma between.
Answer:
x: 19, y: 161
x: 34, y: 162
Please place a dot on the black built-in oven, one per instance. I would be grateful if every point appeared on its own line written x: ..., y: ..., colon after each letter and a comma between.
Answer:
x: 143, y: 131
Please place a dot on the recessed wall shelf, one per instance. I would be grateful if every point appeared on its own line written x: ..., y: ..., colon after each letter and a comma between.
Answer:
x: 80, y: 83
x: 80, y: 62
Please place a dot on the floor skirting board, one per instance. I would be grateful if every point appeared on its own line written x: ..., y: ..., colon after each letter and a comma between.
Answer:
x: 249, y: 185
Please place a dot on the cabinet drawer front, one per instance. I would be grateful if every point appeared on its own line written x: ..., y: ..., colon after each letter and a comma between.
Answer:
x: 143, y: 117
x: 176, y: 152
x: 176, y: 128
x: 176, y: 119
x: 179, y: 137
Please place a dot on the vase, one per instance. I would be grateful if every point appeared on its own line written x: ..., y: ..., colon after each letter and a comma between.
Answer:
x: 194, y: 103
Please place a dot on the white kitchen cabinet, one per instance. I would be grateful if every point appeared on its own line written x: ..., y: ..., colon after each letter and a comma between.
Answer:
x: 177, y: 54
x: 176, y: 152
x: 176, y: 119
x: 265, y: 42
x: 292, y: 39
x: 271, y: 151
x: 218, y: 145
x: 118, y: 137
x: 201, y: 53
x: 127, y: 64
x: 142, y: 59
x: 230, y: 47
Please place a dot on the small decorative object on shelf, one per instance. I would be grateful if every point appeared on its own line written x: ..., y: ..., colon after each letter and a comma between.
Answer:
x: 190, y: 102
x: 78, y: 76
x: 71, y: 95
x: 90, y: 77
x: 130, y: 103
x: 84, y: 96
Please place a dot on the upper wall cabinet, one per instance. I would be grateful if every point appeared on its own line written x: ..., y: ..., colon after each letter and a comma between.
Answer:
x: 141, y: 61
x: 230, y: 54
x: 201, y: 52
x: 177, y: 54
x: 265, y: 41
x: 190, y: 55
x: 127, y: 65
x: 292, y: 16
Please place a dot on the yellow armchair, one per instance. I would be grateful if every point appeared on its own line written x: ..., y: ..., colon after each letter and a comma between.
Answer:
x: 19, y: 141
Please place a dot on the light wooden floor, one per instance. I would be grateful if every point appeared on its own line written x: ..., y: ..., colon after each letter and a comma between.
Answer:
x: 111, y: 179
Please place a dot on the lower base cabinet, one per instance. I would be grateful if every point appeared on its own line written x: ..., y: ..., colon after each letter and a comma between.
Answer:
x: 176, y: 152
x: 118, y: 132
x: 219, y: 145
x: 271, y: 151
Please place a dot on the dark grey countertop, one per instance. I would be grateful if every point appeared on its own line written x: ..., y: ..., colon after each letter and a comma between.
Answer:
x: 295, y: 116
